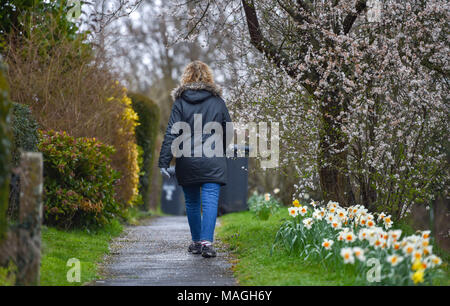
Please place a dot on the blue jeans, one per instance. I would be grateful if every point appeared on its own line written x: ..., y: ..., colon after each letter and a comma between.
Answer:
x: 202, y: 220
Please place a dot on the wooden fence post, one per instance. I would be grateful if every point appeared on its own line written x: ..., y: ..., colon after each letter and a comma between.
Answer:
x: 30, y: 219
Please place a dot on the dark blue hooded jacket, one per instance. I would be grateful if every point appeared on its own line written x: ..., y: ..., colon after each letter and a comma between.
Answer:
x: 203, y: 99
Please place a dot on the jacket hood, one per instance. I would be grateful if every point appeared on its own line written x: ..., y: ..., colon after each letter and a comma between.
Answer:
x: 196, y: 92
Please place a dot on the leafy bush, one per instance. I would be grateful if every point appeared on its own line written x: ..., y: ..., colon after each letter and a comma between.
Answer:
x: 24, y: 128
x: 8, y: 274
x: 263, y: 206
x: 78, y: 95
x: 126, y: 158
x: 146, y: 134
x: 352, y: 239
x: 79, y: 180
x: 5, y: 150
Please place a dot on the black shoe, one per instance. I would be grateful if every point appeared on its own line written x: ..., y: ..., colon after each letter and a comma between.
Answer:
x: 195, y: 248
x: 208, y: 251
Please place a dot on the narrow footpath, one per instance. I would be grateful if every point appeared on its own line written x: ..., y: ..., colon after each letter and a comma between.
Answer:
x: 155, y: 254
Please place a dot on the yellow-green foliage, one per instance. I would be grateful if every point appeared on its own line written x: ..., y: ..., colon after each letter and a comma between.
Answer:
x: 78, y: 95
x: 8, y: 275
x: 126, y: 158
x: 146, y: 134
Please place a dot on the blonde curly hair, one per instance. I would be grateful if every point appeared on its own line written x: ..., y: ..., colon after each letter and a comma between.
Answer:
x: 195, y: 72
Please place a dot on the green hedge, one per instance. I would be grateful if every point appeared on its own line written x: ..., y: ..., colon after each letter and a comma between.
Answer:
x: 24, y: 128
x: 5, y: 150
x: 25, y: 138
x: 146, y: 133
x: 79, y: 181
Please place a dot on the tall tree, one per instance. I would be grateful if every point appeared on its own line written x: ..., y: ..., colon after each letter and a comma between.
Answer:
x: 348, y: 70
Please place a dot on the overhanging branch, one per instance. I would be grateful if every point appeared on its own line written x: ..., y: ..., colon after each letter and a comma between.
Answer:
x: 351, y: 17
x: 269, y: 50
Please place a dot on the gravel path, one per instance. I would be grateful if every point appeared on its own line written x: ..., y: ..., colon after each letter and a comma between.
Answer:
x: 155, y: 253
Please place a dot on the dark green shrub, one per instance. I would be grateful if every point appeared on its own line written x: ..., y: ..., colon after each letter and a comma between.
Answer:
x: 79, y: 181
x: 25, y: 133
x: 146, y: 133
x: 25, y: 137
x: 5, y: 150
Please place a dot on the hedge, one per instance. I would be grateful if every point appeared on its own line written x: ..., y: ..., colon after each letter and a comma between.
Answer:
x: 146, y: 134
x: 25, y: 135
x: 25, y: 138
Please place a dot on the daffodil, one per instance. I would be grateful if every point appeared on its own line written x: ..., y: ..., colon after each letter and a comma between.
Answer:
x: 408, y: 249
x: 381, y: 216
x: 302, y: 210
x: 330, y: 218
x: 424, y: 243
x: 332, y: 204
x: 426, y: 234
x: 417, y: 276
x: 427, y: 250
x: 416, y: 255
x: 394, y: 259
x: 296, y: 203
x: 362, y: 235
x: 293, y: 211
x: 317, y: 215
x: 336, y: 224
x: 308, y: 222
x: 395, y: 234
x: 341, y: 213
x: 359, y: 253
x: 370, y: 223
x: 327, y: 243
x: 416, y: 265
x: 362, y: 221
x: 387, y: 222
x: 347, y: 255
x: 378, y: 243
x: 349, y: 237
x: 267, y: 196
x: 434, y: 261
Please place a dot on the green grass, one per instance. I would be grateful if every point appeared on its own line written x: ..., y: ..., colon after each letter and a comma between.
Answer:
x: 250, y: 241
x: 59, y: 246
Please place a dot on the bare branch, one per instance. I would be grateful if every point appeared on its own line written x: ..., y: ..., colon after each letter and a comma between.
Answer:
x: 198, y: 21
x: 351, y: 17
x: 296, y: 16
x: 264, y: 46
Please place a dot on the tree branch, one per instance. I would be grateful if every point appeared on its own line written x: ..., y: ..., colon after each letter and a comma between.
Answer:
x: 262, y: 44
x: 269, y: 50
x: 351, y: 17
x: 296, y: 16
x: 198, y: 21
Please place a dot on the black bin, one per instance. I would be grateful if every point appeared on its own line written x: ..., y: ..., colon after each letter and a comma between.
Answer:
x: 233, y: 196
x: 172, y: 196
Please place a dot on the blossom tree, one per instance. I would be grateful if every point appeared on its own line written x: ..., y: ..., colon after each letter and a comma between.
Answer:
x: 361, y: 88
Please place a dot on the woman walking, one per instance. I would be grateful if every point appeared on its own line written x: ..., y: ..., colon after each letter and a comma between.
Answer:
x: 200, y: 176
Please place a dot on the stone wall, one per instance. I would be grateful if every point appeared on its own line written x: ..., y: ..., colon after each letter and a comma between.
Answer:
x: 22, y: 245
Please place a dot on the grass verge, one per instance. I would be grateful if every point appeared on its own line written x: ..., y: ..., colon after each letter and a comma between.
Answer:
x: 59, y: 246
x: 250, y: 240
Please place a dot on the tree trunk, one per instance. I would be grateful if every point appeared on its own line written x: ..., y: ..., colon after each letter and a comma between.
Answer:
x: 333, y: 168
